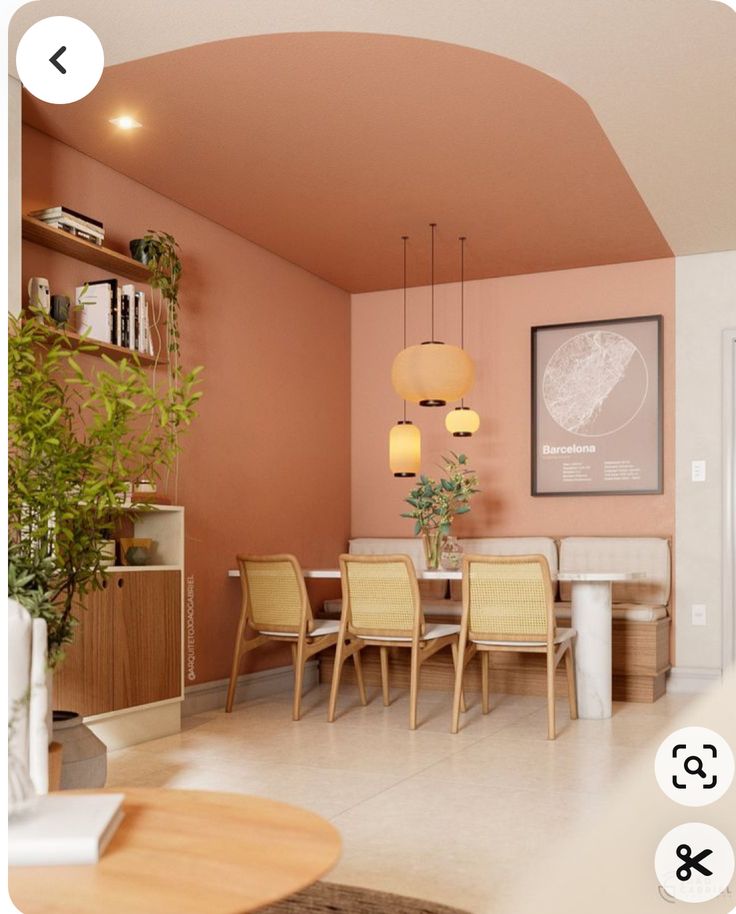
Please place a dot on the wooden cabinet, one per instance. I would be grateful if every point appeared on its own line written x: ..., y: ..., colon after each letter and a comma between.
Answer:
x: 127, y: 646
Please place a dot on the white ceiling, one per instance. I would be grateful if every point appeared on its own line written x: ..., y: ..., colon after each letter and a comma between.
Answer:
x: 660, y: 75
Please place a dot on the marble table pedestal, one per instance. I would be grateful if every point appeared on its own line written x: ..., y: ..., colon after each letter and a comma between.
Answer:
x: 591, y: 619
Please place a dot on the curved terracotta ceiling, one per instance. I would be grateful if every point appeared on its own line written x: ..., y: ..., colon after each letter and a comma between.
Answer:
x: 324, y: 148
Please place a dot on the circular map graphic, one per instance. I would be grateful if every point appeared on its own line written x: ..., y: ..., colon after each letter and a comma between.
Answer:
x: 595, y: 383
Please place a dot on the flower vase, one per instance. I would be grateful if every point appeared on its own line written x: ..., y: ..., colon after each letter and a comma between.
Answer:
x: 432, y: 540
x: 451, y: 554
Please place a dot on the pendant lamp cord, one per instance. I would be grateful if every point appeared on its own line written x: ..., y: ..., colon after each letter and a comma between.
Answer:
x: 433, y: 226
x: 462, y: 298
x: 404, y: 238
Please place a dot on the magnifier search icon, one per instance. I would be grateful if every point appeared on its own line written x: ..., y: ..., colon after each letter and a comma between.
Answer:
x: 694, y: 765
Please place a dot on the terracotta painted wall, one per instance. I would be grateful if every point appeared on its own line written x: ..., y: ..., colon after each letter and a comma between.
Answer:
x: 499, y: 314
x: 265, y: 468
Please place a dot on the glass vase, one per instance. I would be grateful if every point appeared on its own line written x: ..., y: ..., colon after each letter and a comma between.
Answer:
x: 432, y: 540
x: 451, y: 554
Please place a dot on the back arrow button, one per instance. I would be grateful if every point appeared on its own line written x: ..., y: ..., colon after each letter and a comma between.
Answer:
x: 55, y: 59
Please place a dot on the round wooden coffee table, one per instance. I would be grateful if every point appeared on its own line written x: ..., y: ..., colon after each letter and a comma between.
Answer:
x: 188, y: 852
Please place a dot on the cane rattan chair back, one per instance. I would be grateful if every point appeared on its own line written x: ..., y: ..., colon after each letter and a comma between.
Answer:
x: 381, y: 596
x: 274, y: 593
x: 508, y: 598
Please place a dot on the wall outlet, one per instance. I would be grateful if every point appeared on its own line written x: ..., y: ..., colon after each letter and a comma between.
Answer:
x: 699, y: 614
x: 698, y: 470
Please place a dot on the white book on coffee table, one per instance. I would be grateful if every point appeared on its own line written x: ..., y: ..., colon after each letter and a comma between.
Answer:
x: 64, y: 829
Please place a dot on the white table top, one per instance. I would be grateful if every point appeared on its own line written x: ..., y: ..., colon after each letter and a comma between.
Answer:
x: 441, y: 575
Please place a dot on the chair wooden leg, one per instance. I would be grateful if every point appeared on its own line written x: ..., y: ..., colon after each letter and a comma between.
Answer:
x: 357, y: 660
x: 237, y: 656
x: 484, y: 674
x: 414, y: 688
x: 551, y: 729
x: 572, y: 694
x: 336, y: 673
x: 457, y: 695
x: 298, y: 652
x: 385, y: 684
x: 463, y: 705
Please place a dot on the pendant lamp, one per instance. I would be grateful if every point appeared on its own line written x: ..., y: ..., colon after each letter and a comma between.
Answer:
x: 462, y: 421
x: 432, y: 373
x: 405, y: 440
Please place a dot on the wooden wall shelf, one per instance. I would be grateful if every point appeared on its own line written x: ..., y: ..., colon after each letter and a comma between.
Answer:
x: 110, y: 349
x: 57, y: 240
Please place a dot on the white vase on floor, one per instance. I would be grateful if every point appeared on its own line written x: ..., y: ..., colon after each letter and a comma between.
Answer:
x: 83, y: 756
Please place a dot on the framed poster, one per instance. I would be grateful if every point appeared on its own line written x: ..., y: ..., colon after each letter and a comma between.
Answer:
x: 597, y: 407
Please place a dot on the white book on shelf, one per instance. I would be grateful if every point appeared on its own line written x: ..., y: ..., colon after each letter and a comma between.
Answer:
x: 63, y: 830
x: 94, y: 314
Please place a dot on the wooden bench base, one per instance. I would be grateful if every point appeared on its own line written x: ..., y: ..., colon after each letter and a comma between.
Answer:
x: 640, y: 663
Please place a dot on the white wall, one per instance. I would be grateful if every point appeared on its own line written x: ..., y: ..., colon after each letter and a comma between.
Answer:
x: 705, y: 306
x: 14, y: 187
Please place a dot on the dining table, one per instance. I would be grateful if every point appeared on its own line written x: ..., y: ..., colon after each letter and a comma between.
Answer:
x: 592, y: 618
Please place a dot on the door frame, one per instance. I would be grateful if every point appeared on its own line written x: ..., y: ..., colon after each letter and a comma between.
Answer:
x: 729, y: 498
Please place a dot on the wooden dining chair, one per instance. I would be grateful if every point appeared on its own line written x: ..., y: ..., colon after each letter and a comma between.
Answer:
x: 381, y: 607
x: 508, y: 606
x: 275, y: 606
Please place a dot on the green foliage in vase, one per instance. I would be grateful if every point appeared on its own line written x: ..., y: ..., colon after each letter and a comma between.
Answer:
x: 76, y: 438
x: 435, y: 503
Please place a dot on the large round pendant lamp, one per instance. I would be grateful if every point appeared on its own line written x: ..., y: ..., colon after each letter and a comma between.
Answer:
x: 405, y: 449
x: 434, y: 372
x: 405, y: 440
x: 463, y: 421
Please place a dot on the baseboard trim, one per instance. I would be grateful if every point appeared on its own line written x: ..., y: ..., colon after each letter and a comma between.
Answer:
x: 691, y: 679
x: 210, y: 696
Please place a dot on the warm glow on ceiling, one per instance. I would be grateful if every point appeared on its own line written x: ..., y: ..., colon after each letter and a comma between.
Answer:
x: 125, y: 122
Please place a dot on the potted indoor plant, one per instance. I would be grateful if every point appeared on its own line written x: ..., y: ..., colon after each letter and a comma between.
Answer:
x: 76, y: 440
x: 435, y: 503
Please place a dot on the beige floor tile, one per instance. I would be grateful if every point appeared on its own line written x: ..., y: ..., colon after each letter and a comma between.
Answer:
x: 453, y: 819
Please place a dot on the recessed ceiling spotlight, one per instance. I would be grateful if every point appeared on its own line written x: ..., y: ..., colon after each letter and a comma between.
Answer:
x: 126, y: 122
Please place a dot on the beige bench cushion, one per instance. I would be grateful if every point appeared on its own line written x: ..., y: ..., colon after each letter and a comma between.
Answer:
x: 508, y: 545
x: 400, y: 545
x: 648, y: 555
x: 630, y: 612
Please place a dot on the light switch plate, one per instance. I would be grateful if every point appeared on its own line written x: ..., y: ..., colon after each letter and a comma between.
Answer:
x: 699, y: 614
x: 698, y: 470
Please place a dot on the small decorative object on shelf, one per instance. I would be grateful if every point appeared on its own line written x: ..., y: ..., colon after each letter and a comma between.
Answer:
x: 107, y: 553
x: 60, y: 309
x: 138, y: 250
x: 144, y: 487
x: 39, y: 294
x: 451, y: 555
x: 435, y: 504
x: 135, y: 550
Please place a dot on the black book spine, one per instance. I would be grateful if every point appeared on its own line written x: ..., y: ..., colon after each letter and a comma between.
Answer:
x: 125, y: 321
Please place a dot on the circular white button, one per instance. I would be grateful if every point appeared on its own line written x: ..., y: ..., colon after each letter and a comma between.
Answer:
x: 60, y: 60
x: 694, y: 766
x: 694, y: 862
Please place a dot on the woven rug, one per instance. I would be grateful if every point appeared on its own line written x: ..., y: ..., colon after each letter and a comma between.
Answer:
x: 330, y: 898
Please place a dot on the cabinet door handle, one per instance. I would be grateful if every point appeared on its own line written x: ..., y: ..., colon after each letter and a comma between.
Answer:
x: 121, y: 581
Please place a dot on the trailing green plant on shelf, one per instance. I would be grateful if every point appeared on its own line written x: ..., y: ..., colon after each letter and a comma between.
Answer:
x: 159, y: 251
x: 436, y: 503
x: 76, y: 439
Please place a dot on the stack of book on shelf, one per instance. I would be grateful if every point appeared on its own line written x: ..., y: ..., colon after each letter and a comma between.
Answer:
x: 73, y: 222
x: 117, y: 313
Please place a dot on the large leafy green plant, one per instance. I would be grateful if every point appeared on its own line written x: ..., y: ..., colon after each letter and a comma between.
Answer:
x: 77, y: 437
x: 435, y: 503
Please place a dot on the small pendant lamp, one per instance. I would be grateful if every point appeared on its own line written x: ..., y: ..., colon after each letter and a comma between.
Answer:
x: 432, y: 373
x: 462, y: 421
x: 405, y: 440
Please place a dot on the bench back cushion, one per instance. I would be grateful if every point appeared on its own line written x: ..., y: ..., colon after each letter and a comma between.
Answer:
x: 400, y: 545
x: 508, y: 545
x: 649, y: 555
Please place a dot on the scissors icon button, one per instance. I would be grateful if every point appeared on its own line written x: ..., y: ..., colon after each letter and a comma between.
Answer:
x: 690, y: 863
